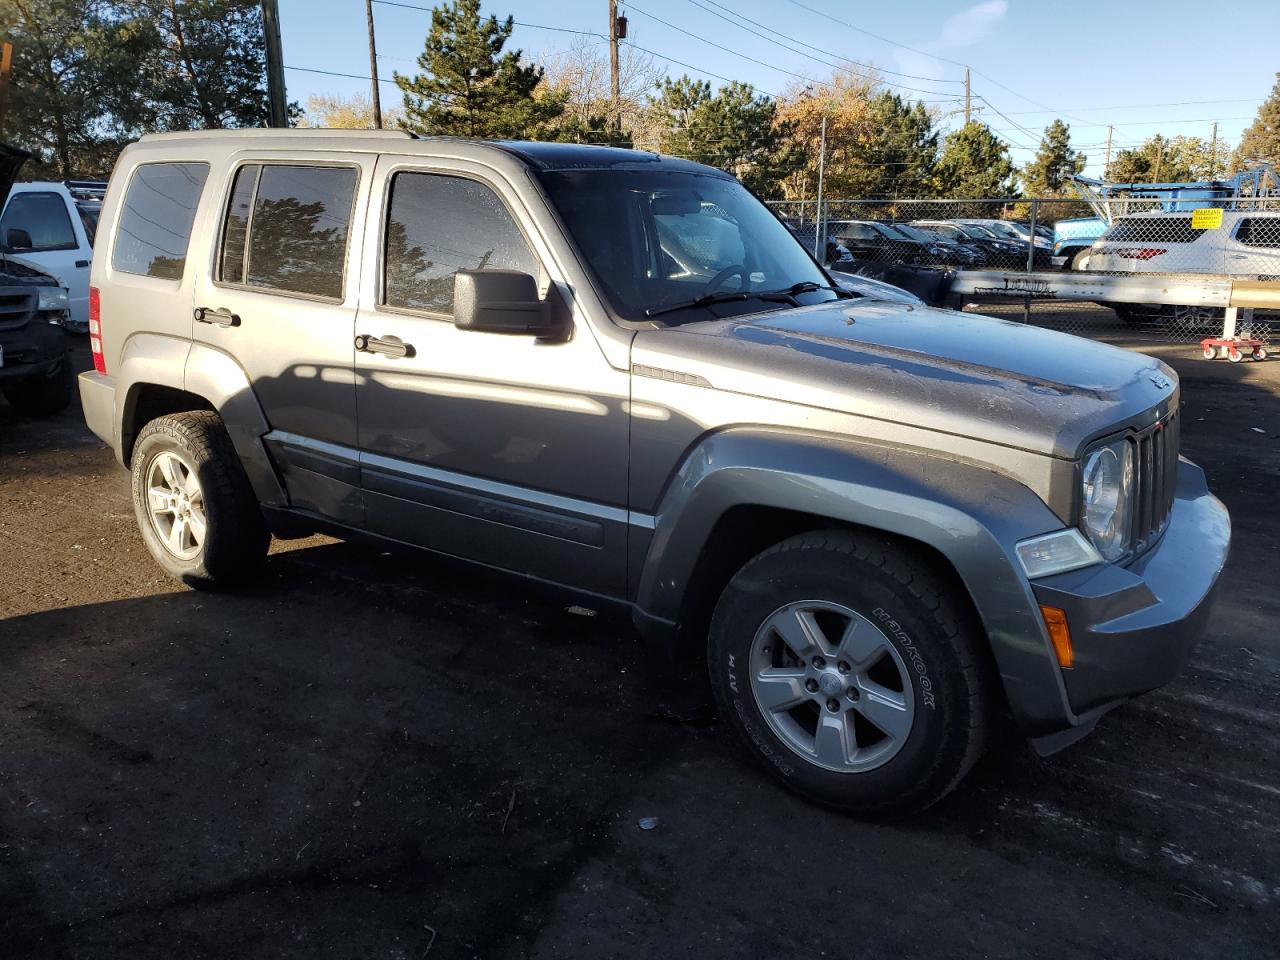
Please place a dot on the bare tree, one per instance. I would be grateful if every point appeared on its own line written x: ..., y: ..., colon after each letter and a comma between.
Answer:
x: 582, y: 72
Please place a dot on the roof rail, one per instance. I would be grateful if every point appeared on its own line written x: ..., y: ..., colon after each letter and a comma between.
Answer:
x: 256, y: 133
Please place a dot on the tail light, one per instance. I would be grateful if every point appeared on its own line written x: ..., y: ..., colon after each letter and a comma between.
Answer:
x: 1141, y: 253
x: 95, y: 330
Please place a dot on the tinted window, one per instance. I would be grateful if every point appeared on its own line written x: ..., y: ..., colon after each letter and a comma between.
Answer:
x: 437, y: 226
x: 155, y: 221
x: 235, y: 230
x: 44, y: 217
x: 89, y: 217
x: 1259, y: 232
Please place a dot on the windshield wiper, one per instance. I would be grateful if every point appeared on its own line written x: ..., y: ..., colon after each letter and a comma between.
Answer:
x: 770, y: 296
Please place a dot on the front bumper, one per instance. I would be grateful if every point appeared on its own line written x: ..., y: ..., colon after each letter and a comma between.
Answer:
x: 32, y: 349
x: 1133, y: 627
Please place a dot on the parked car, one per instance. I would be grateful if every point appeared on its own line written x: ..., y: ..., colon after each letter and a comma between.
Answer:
x: 883, y: 532
x: 50, y: 226
x: 837, y: 254
x: 35, y: 371
x: 880, y: 242
x: 1247, y: 244
x: 945, y: 250
x: 999, y: 252
x: 1072, y: 239
x: 1018, y: 233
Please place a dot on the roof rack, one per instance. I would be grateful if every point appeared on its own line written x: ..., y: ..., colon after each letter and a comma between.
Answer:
x: 259, y: 133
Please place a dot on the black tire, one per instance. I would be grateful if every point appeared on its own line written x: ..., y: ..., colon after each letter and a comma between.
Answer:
x: 236, y: 536
x: 885, y: 582
x: 43, y: 396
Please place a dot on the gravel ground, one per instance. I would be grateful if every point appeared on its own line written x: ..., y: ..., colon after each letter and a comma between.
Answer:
x: 382, y: 755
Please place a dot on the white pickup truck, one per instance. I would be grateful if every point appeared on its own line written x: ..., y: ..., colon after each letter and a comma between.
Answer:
x: 50, y: 226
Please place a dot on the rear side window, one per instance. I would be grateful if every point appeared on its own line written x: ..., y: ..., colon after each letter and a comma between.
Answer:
x: 1153, y: 230
x: 43, y: 217
x: 438, y: 225
x: 156, y: 217
x: 1259, y: 232
x: 286, y: 228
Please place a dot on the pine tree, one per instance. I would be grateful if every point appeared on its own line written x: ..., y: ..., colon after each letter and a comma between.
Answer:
x: 469, y: 87
x: 974, y: 164
x: 1054, y: 162
x: 733, y: 129
x: 1261, y: 139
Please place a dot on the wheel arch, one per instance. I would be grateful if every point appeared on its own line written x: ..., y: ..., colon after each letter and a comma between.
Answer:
x: 161, y: 375
x: 743, y: 490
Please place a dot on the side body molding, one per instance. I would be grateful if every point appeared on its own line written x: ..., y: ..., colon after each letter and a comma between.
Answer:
x: 969, y: 514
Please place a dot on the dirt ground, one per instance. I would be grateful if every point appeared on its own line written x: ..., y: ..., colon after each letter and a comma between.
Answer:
x: 377, y: 754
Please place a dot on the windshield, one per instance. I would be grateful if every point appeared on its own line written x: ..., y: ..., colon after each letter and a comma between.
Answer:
x: 924, y: 236
x: 948, y: 231
x: 1000, y: 228
x: 657, y: 240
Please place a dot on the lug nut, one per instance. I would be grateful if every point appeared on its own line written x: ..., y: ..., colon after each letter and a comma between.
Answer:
x: 818, y: 663
x: 843, y: 667
x: 811, y: 685
x: 853, y: 693
x: 833, y: 705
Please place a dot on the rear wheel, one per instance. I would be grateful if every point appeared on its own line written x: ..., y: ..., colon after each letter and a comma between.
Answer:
x: 851, y: 673
x: 195, y: 508
x: 43, y: 396
x: 1080, y: 259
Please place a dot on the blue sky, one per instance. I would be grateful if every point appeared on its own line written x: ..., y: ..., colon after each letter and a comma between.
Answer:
x: 1147, y: 68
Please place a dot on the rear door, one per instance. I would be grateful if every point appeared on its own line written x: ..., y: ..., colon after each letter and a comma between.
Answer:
x: 280, y: 298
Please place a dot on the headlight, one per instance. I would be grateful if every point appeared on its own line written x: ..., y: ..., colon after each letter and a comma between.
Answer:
x: 53, y: 298
x: 1107, y: 489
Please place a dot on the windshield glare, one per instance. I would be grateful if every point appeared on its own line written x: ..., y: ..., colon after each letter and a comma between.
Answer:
x: 658, y: 239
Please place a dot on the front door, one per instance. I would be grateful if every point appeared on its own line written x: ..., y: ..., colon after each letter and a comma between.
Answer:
x: 281, y: 300
x: 499, y: 448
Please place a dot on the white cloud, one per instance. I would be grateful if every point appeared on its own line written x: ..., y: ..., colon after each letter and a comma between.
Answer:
x: 959, y: 30
x: 969, y: 26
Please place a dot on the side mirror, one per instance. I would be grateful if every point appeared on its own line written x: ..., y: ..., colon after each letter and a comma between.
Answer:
x: 500, y: 301
x: 16, y: 238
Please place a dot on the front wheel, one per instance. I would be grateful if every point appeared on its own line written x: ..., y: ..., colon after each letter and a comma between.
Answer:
x: 195, y: 508
x: 851, y: 673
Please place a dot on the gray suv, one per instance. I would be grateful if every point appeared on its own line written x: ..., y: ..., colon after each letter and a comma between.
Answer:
x: 889, y: 530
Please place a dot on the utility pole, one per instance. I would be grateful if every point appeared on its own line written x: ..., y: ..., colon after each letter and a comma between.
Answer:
x: 968, y: 106
x: 374, y: 98
x: 1155, y: 177
x: 6, y: 70
x: 1213, y: 152
x: 614, y: 95
x: 819, y: 221
x: 1107, y: 163
x: 275, y: 64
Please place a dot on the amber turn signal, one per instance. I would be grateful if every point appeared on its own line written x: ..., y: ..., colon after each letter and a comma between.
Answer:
x: 1056, y: 620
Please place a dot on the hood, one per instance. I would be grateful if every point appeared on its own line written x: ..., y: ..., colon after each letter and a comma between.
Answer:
x: 11, y: 161
x: 994, y: 380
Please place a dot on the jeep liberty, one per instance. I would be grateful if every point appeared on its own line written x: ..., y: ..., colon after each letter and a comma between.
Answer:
x: 890, y: 530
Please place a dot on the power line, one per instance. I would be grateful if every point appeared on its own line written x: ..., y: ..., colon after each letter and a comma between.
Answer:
x: 829, y: 53
x: 518, y: 23
x: 689, y: 66
x: 933, y: 56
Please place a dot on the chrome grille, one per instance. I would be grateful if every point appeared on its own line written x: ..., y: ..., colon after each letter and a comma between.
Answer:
x: 1155, y: 466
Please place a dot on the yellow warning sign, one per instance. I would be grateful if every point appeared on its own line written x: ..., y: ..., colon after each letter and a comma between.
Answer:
x: 1206, y: 218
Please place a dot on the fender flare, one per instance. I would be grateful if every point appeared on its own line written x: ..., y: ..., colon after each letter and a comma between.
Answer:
x: 154, y: 359
x: 968, y: 513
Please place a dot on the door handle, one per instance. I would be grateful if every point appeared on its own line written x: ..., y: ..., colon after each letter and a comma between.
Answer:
x: 388, y: 346
x: 219, y: 315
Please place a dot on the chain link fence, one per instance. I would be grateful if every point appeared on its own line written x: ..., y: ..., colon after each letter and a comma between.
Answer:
x: 1192, y: 251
